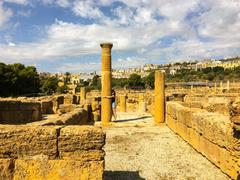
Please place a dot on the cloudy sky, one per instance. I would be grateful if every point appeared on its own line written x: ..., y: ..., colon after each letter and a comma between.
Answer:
x: 64, y: 35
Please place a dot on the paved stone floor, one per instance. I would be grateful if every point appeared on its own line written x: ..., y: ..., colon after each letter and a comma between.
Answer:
x: 137, y: 149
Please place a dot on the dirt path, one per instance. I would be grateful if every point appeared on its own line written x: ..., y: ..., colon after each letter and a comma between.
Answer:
x: 136, y: 149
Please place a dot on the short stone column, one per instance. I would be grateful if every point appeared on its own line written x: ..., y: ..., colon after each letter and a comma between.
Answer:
x: 159, y: 92
x: 106, y: 106
x: 221, y: 86
x: 215, y: 87
x: 82, y: 95
x: 123, y: 103
x: 228, y: 85
x: 74, y: 89
x: 141, y: 103
x: 191, y: 88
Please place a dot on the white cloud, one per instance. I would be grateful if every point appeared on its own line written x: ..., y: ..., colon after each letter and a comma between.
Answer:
x: 5, y: 14
x: 63, y: 3
x: 203, y: 29
x: 22, y: 2
x: 79, y: 67
x: 87, y: 10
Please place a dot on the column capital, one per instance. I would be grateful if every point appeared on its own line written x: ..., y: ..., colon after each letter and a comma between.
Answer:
x: 106, y: 45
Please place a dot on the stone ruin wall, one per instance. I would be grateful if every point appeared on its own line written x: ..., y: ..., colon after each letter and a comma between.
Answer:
x: 48, y: 147
x: 67, y: 109
x: 220, y: 103
x: 51, y: 152
x: 17, y: 112
x: 212, y: 134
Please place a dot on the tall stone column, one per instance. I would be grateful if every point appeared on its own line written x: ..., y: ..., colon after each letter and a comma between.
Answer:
x: 123, y: 104
x: 82, y: 95
x: 159, y: 92
x: 106, y: 107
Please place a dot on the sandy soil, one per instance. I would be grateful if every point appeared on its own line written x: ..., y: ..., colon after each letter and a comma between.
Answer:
x: 137, y: 149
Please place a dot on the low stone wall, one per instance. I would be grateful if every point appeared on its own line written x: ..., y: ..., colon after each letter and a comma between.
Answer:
x: 77, y: 116
x: 71, y: 152
x: 212, y: 134
x: 17, y: 112
x: 212, y: 103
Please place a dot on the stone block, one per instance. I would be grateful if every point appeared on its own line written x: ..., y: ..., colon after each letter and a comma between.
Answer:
x: 171, y: 122
x: 215, y: 127
x: 47, y: 107
x: 183, y: 131
x: 84, y: 155
x: 195, y: 105
x: 65, y: 108
x: 36, y: 116
x: 229, y: 164
x: 9, y: 105
x: 210, y: 150
x: 16, y: 117
x: 80, y: 138
x: 58, y: 169
x: 77, y: 117
x: 6, y: 169
x: 172, y: 108
x: 30, y: 106
x: 194, y: 139
x: 184, y: 115
x: 70, y: 99
x: 57, y: 100
x: 24, y: 141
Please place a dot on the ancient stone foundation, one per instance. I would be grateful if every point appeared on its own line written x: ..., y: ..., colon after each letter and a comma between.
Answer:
x: 212, y: 134
x: 54, y: 152
x: 17, y: 112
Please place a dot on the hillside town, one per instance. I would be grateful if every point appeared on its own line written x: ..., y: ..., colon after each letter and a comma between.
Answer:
x: 143, y: 71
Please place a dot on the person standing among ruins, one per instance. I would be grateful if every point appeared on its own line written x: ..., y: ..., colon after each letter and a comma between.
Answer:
x: 114, y: 114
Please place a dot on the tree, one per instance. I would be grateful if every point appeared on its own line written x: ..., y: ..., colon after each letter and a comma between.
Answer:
x: 62, y: 89
x: 135, y: 81
x: 67, y: 78
x: 149, y: 80
x: 96, y: 82
x: 16, y: 79
x: 50, y: 85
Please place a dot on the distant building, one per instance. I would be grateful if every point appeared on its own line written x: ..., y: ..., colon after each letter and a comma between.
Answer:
x: 173, y: 72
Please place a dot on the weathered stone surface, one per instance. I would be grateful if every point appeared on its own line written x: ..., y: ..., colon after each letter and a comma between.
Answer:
x: 30, y: 106
x: 65, y: 108
x: 57, y: 100
x: 215, y: 127
x: 211, y: 134
x: 47, y: 107
x: 172, y: 108
x: 184, y: 115
x: 80, y: 138
x: 84, y: 155
x: 6, y: 169
x: 16, y: 117
x: 70, y: 99
x: 58, y: 169
x: 16, y: 112
x: 9, y: 105
x: 78, y: 116
x: 24, y: 141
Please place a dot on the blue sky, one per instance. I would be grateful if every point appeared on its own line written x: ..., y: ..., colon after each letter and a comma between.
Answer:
x: 64, y: 35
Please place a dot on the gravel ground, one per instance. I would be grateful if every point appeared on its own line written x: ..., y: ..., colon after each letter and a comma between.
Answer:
x: 136, y: 149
